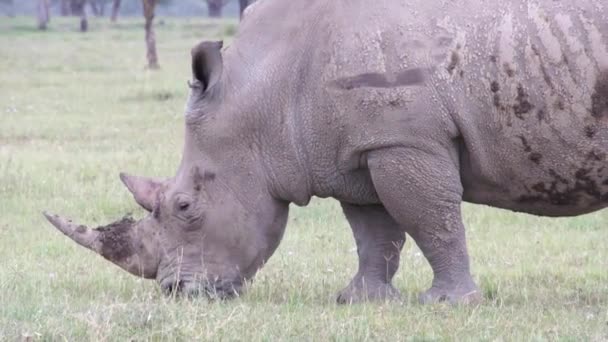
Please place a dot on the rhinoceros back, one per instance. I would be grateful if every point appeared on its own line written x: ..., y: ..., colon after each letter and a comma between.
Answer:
x: 532, y: 107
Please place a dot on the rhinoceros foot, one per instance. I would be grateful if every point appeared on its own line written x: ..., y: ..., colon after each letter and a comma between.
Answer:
x: 358, y: 291
x: 459, y: 295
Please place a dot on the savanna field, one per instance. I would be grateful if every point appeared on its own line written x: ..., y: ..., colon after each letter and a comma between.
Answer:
x: 76, y: 109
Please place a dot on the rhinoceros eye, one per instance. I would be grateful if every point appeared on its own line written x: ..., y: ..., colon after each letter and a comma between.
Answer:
x: 183, y: 206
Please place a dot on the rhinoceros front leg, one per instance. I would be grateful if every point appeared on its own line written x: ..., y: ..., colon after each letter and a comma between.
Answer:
x: 379, y: 242
x: 421, y: 189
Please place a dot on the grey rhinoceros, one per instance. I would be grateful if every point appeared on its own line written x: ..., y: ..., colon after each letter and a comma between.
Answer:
x: 400, y: 110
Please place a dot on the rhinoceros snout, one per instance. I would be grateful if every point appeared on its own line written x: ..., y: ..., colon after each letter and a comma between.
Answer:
x: 212, y: 290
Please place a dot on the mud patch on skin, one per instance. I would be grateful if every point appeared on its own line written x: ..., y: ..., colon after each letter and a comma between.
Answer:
x: 115, y: 239
x: 541, y: 115
x: 536, y: 157
x: 559, y: 104
x: 508, y: 69
x: 454, y: 60
x: 524, y: 142
x: 495, y: 88
x: 560, y: 191
x: 599, y: 99
x: 496, y: 101
x: 590, y: 131
x: 543, y: 68
x: 522, y: 105
x: 408, y: 77
x: 596, y: 155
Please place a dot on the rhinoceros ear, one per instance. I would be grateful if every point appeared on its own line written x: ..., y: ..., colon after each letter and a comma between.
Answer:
x: 207, y: 63
x: 144, y: 189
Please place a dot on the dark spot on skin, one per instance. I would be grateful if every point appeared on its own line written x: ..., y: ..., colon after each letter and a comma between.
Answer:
x: 522, y: 105
x: 590, y: 131
x: 439, y: 57
x: 546, y: 77
x: 596, y: 155
x: 461, y: 73
x: 560, y: 192
x: 81, y: 229
x: 494, y: 87
x: 493, y: 59
x: 524, y: 142
x: 374, y: 80
x: 115, y: 239
x: 536, y: 157
x: 586, y: 184
x: 496, y: 100
x: 543, y: 68
x: 508, y: 69
x: 599, y: 99
x: 454, y: 60
x: 539, y: 187
x: 549, y: 193
x: 209, y: 176
x: 581, y: 173
x: 541, y: 114
x: 559, y: 104
x: 557, y: 177
x: 444, y: 41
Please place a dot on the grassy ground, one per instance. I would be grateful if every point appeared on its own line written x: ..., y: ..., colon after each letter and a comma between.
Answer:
x: 76, y: 109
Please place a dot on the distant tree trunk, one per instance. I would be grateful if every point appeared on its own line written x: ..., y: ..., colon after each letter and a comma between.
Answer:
x: 150, y: 37
x: 11, y: 9
x: 65, y: 8
x: 115, y: 9
x: 95, y: 8
x: 43, y: 14
x: 214, y: 7
x: 84, y: 23
x: 242, y: 5
x: 77, y: 7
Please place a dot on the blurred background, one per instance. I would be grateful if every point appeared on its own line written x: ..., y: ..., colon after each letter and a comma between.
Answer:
x: 108, y: 8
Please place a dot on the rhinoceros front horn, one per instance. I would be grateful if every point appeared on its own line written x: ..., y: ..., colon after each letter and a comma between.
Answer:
x: 81, y: 234
x: 123, y: 242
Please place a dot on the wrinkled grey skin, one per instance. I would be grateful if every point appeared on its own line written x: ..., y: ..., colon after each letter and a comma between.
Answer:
x: 399, y: 109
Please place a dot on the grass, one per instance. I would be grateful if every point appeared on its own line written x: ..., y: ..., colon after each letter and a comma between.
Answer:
x: 76, y: 109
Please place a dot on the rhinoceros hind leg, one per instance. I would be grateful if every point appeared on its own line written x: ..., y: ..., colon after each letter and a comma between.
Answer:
x: 421, y: 189
x: 379, y: 242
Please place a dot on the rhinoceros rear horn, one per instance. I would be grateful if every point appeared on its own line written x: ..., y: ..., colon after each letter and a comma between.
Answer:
x: 207, y: 63
x: 144, y: 189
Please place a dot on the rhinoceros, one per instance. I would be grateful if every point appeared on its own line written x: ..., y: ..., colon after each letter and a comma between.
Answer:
x: 400, y: 110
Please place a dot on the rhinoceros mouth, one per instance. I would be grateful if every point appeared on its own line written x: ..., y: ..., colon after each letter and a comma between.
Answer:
x: 220, y: 290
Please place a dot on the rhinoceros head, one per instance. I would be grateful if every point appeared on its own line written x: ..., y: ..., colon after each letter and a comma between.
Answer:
x: 211, y: 226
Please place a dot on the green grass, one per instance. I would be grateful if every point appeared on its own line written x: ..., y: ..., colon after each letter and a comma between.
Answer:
x: 76, y: 109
